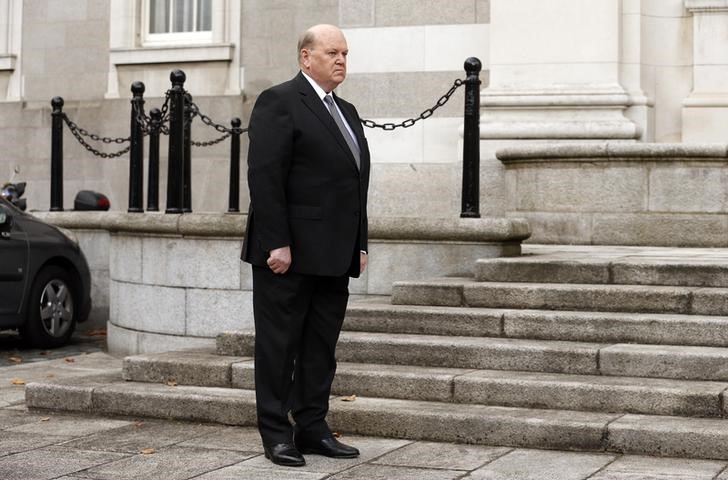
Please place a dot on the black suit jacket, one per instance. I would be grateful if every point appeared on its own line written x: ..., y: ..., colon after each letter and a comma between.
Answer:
x: 305, y: 188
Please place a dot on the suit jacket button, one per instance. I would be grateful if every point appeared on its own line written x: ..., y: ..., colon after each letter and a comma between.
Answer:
x: 356, y: 214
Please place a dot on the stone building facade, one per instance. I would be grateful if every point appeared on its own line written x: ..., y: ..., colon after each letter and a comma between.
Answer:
x: 554, y: 71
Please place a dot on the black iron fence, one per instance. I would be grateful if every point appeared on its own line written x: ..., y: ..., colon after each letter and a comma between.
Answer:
x: 175, y: 120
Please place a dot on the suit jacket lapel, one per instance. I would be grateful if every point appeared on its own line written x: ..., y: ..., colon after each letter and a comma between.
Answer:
x: 314, y: 103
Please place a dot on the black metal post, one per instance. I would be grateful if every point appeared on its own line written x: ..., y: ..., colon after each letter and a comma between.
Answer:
x: 175, y: 157
x: 187, y: 205
x: 471, y: 141
x: 136, y: 151
x: 155, y: 122
x: 234, y: 200
x: 57, y: 155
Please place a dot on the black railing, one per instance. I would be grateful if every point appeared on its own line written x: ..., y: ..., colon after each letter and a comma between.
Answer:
x: 175, y: 120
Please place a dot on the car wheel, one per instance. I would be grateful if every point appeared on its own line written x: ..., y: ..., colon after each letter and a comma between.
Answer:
x: 51, y: 312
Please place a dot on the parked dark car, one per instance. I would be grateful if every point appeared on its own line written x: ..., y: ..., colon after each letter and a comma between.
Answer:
x: 44, y: 279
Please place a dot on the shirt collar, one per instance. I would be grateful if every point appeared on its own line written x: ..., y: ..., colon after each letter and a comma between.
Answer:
x: 319, y: 91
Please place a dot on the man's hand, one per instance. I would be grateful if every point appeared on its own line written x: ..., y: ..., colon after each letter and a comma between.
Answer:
x: 280, y: 259
x: 362, y: 262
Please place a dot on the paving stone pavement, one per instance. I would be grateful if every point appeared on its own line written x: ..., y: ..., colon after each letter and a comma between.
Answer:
x: 44, y: 446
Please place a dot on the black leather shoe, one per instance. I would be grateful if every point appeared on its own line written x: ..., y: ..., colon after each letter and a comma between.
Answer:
x: 284, y: 454
x: 328, y: 446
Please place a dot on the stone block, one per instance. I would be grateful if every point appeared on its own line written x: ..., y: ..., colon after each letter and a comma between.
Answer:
x: 427, y: 12
x: 539, y: 464
x: 395, y: 381
x: 448, y: 46
x: 633, y: 467
x: 606, y: 298
x: 548, y: 270
x: 243, y: 375
x: 207, y: 404
x: 557, y: 228
x: 468, y: 352
x: 665, y: 361
x: 212, y: 311
x: 121, y: 341
x: 172, y: 463
x: 139, y: 435
x: 685, y: 230
x: 385, y: 318
x: 482, y: 11
x: 55, y: 462
x: 369, y: 470
x: 474, y: 424
x: 710, y: 301
x: 608, y: 327
x: 95, y: 247
x: 156, y: 343
x: 442, y: 455
x: 669, y: 436
x: 356, y: 13
x: 391, y: 262
x: 580, y: 188
x: 237, y: 344
x: 433, y: 293
x: 666, y: 271
x: 148, y: 308
x: 125, y: 258
x: 188, y: 262
x: 590, y: 393
x: 203, y: 369
x: 54, y: 396
x: 700, y: 189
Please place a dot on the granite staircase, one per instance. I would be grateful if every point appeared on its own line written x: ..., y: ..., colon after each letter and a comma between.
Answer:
x: 620, y: 350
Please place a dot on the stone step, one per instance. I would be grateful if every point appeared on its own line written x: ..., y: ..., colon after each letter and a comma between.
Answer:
x: 487, y: 387
x: 601, y: 327
x: 437, y: 421
x: 623, y: 270
x: 447, y: 351
x: 549, y: 296
x: 548, y: 356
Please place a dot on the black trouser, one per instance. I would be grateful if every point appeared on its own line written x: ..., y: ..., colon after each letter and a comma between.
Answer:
x: 297, y: 323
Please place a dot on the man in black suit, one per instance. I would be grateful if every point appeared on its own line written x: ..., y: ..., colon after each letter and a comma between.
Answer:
x: 308, y: 174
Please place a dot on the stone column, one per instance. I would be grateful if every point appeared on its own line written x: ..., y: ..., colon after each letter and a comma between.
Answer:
x: 554, y: 77
x: 705, y: 110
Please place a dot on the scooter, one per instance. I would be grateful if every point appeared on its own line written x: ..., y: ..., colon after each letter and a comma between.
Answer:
x: 12, y: 193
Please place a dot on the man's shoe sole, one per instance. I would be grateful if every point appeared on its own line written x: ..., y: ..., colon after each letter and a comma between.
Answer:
x: 318, y: 452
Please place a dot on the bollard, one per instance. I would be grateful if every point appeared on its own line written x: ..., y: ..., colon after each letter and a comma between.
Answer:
x: 155, y: 122
x: 136, y: 151
x: 234, y: 199
x: 471, y: 141
x: 187, y: 184
x: 175, y: 168
x: 57, y: 155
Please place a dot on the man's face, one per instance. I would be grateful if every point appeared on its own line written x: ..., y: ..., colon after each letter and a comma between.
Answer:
x: 325, y: 61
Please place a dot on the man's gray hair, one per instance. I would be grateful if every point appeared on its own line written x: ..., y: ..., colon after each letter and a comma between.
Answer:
x: 306, y: 40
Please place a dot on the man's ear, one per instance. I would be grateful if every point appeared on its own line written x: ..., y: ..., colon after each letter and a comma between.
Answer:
x: 305, y: 60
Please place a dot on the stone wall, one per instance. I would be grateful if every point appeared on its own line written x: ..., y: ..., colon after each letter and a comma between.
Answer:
x: 404, y: 56
x: 176, y: 281
x: 616, y: 194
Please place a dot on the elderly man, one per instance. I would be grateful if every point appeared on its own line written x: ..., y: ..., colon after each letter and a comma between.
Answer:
x: 308, y: 174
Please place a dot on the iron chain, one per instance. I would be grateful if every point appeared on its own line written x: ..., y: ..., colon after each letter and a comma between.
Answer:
x: 210, y: 123
x: 79, y: 133
x: 426, y: 114
x: 210, y: 142
x: 93, y: 136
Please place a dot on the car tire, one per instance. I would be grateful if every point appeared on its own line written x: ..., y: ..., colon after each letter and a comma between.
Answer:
x: 52, y: 312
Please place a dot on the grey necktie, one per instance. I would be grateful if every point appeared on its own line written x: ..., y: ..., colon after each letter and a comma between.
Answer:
x: 329, y: 101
